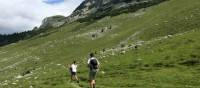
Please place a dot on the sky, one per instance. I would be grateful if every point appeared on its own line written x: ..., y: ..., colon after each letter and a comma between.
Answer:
x: 23, y: 15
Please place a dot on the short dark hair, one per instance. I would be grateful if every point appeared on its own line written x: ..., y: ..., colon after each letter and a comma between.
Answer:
x: 91, y: 54
x: 74, y: 62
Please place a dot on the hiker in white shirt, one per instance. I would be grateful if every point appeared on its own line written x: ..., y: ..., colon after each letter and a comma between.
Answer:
x: 73, y: 70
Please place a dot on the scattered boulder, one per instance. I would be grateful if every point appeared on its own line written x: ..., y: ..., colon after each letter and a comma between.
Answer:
x: 104, y: 50
x: 19, y: 77
x: 123, y: 52
x: 102, y: 72
x: 94, y: 35
x: 136, y: 47
x: 30, y: 86
x: 26, y: 72
x: 169, y: 36
x: 102, y: 30
x: 58, y: 64
x: 14, y: 83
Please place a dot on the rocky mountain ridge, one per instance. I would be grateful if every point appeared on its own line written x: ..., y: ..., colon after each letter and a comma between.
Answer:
x: 95, y: 9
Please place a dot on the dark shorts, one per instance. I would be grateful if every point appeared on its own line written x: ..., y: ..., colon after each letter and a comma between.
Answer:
x: 73, y: 73
x: 92, y: 74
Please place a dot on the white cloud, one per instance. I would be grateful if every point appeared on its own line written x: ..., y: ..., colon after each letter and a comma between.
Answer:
x: 21, y: 15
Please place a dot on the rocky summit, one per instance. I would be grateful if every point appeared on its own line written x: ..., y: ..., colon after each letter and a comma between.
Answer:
x: 54, y: 21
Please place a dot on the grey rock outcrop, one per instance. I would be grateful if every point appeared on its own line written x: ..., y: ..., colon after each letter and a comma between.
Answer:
x: 54, y: 21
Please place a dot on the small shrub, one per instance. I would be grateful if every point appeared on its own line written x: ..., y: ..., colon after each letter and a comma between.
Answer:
x: 190, y: 62
x: 159, y: 64
x: 122, y: 45
x: 146, y: 65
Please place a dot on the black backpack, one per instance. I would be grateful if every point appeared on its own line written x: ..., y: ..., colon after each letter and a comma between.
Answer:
x: 93, y: 64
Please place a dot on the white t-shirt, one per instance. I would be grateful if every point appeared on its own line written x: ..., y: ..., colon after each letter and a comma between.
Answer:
x: 73, y: 66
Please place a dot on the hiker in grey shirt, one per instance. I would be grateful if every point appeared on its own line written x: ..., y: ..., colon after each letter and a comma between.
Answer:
x: 93, y: 65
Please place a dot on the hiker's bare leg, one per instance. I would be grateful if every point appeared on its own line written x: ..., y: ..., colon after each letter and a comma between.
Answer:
x: 71, y: 78
x: 76, y: 77
x: 91, y: 84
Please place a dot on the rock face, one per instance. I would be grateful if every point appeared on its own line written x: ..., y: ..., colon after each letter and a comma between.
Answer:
x: 101, y: 8
x: 92, y: 9
x: 54, y: 21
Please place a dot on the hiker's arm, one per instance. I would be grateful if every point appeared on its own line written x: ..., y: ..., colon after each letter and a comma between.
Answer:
x: 88, y: 63
x: 98, y: 64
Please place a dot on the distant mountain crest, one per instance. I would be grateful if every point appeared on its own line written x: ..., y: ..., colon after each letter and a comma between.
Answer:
x: 101, y: 8
x: 95, y: 9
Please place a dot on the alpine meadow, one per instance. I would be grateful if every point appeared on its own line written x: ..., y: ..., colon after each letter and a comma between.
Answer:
x: 139, y: 44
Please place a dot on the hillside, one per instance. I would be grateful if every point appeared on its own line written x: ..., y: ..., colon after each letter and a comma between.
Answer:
x: 88, y: 10
x: 153, y: 47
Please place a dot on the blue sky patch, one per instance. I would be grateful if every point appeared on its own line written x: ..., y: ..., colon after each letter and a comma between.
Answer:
x: 53, y: 1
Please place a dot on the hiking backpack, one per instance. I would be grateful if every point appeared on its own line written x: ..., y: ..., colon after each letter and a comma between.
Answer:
x: 93, y: 64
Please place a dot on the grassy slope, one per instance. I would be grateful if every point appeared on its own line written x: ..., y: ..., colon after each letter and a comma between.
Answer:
x: 157, y: 64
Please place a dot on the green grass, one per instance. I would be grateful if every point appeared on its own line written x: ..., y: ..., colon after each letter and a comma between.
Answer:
x: 156, y: 65
x: 167, y: 63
